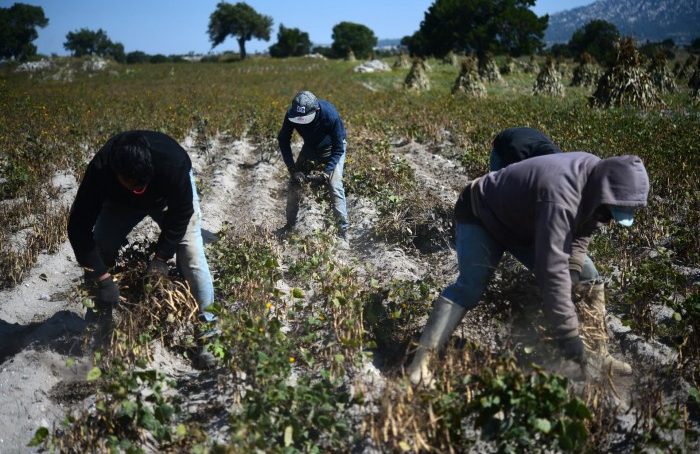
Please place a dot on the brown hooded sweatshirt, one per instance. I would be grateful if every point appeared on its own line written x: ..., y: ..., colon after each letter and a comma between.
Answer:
x: 554, y: 203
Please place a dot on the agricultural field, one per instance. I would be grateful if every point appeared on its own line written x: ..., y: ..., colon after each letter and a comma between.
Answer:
x: 315, y: 333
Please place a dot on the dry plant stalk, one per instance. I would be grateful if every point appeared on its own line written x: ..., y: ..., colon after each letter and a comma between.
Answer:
x: 661, y: 75
x: 417, y: 78
x: 468, y: 81
x: 587, y: 73
x: 626, y: 83
x: 488, y: 69
x: 548, y: 82
x: 402, y: 61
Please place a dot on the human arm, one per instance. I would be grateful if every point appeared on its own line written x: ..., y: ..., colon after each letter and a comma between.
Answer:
x: 177, y: 217
x: 284, y: 139
x: 552, y: 240
x: 81, y: 221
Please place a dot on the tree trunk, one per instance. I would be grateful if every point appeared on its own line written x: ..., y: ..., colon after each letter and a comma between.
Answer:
x: 241, y: 45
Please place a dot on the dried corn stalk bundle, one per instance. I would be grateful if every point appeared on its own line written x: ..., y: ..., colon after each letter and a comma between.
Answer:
x: 417, y: 78
x: 350, y: 56
x: 587, y: 73
x: 694, y: 84
x: 661, y: 75
x: 509, y: 66
x: 548, y: 82
x: 686, y: 70
x: 627, y: 82
x: 402, y: 61
x: 563, y: 69
x: 451, y: 59
x: 488, y: 69
x: 531, y: 67
x: 468, y: 81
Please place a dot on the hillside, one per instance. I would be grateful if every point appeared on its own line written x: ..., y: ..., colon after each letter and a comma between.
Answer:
x: 652, y: 20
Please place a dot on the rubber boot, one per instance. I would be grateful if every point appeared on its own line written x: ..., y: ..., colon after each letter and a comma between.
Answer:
x: 204, y: 359
x: 443, y: 320
x: 589, y: 297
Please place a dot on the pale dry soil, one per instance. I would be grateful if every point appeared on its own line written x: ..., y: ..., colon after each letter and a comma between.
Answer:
x: 44, y: 353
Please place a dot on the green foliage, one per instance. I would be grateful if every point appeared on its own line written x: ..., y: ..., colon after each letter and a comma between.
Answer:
x: 18, y: 25
x: 349, y: 36
x: 87, y: 42
x: 479, y: 25
x: 526, y: 411
x: 291, y: 42
x: 239, y: 20
x: 598, y: 38
x: 131, y: 405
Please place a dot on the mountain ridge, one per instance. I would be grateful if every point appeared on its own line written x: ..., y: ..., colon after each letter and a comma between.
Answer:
x: 652, y: 20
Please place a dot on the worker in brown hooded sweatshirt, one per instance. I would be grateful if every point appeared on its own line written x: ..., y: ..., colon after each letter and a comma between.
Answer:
x: 543, y: 210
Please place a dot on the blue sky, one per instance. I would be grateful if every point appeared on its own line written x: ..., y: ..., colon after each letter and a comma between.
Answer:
x: 180, y: 26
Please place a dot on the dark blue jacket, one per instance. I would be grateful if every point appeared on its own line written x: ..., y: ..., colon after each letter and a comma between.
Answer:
x: 517, y: 144
x: 326, y: 131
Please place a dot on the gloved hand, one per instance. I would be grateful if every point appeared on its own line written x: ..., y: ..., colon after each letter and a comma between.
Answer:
x: 572, y: 349
x: 107, y: 293
x: 157, y: 267
x: 299, y: 177
x: 327, y: 177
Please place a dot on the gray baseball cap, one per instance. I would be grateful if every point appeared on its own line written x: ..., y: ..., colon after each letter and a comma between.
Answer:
x: 303, y: 109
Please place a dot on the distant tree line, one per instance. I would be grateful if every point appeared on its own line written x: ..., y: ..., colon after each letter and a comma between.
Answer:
x: 460, y: 26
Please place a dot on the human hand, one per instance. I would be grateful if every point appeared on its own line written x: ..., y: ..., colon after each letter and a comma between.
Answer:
x: 157, y: 267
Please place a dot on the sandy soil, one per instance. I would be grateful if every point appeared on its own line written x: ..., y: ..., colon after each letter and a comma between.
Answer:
x: 43, y: 359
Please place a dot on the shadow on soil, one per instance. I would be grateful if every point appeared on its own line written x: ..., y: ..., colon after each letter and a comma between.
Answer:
x: 60, y: 333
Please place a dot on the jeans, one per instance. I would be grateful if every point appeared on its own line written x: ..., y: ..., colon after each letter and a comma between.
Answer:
x: 589, y: 271
x: 115, y: 222
x: 478, y: 254
x: 306, y: 160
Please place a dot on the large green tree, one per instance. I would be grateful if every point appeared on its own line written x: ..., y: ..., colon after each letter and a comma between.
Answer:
x: 240, y: 21
x: 88, y: 42
x: 480, y: 26
x: 356, y: 37
x: 18, y: 25
x: 291, y: 42
x: 598, y: 38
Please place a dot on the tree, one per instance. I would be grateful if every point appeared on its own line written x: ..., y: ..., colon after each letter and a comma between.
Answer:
x: 349, y: 36
x: 291, y: 42
x: 480, y: 26
x: 598, y: 38
x: 87, y: 42
x: 18, y: 25
x: 240, y: 21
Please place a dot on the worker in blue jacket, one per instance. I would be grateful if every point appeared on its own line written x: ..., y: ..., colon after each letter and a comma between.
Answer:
x: 319, y: 125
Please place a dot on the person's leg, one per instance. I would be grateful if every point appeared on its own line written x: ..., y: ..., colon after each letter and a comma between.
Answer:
x: 112, y: 227
x: 477, y: 254
x: 338, y: 195
x: 294, y: 189
x: 192, y: 262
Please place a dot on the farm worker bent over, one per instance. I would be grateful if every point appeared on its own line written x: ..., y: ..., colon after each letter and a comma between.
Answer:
x: 134, y: 175
x: 317, y: 121
x: 543, y: 210
x: 517, y: 144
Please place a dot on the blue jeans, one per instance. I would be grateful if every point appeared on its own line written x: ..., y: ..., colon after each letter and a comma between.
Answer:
x: 589, y: 271
x: 115, y: 222
x: 478, y: 254
x: 307, y: 157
